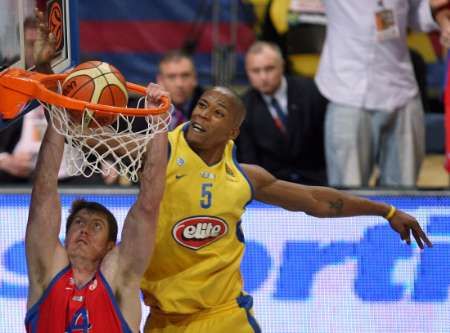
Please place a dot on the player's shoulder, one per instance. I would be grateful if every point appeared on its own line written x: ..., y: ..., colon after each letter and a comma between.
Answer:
x: 110, y: 268
x: 257, y: 176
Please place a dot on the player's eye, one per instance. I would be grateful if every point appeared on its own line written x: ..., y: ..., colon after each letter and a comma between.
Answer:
x: 79, y: 222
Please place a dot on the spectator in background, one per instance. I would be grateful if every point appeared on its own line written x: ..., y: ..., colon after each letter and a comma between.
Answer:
x: 177, y: 74
x: 283, y: 130
x: 17, y: 154
x: 375, y: 115
x: 15, y: 167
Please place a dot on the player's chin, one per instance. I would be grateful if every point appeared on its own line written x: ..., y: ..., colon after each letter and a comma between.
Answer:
x: 77, y: 246
x: 197, y: 139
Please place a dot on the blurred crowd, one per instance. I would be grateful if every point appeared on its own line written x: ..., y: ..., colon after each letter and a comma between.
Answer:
x: 334, y: 94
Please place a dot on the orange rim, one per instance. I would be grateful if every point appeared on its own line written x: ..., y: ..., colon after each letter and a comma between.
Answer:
x: 18, y: 87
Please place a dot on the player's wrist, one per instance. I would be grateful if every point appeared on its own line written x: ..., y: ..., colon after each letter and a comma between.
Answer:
x: 44, y: 68
x: 390, y: 213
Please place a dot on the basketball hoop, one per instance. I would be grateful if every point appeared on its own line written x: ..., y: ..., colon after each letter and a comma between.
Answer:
x: 91, y: 149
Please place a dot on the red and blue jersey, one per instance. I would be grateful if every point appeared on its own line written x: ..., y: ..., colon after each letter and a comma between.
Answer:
x: 65, y: 308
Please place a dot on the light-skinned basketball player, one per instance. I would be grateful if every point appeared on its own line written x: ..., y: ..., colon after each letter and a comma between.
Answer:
x: 89, y: 284
x: 193, y: 283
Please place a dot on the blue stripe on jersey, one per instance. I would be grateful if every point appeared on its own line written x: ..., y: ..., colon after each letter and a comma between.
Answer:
x: 32, y: 314
x: 125, y: 327
x: 246, y: 302
x: 239, y: 233
x: 238, y: 166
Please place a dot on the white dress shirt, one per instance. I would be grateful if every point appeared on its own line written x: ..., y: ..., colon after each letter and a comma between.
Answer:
x: 33, y: 130
x: 281, y: 96
x: 358, y: 70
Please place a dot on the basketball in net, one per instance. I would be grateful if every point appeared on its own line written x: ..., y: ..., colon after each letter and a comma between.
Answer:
x: 96, y: 82
x: 77, y: 105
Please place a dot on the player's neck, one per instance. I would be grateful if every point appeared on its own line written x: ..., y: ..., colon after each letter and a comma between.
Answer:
x: 210, y: 156
x: 83, y: 270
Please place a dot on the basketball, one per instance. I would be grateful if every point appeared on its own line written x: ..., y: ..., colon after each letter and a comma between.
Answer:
x: 97, y: 82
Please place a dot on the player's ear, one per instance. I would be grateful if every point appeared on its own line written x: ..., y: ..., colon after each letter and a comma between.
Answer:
x: 110, y: 245
x: 234, y: 133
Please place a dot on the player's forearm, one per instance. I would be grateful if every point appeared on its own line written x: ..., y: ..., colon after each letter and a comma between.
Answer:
x: 44, y: 217
x: 332, y: 203
x: 152, y: 178
x: 49, y: 161
x: 139, y: 230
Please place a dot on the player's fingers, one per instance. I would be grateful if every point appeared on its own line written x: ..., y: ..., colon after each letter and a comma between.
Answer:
x: 43, y: 28
x: 417, y: 238
x: 152, y: 86
x: 422, y: 235
x: 52, y: 38
x: 39, y: 14
x: 405, y: 236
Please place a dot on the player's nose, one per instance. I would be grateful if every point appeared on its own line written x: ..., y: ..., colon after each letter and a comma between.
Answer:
x: 204, y: 113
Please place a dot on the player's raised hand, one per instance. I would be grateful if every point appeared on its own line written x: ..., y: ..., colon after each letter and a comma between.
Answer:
x: 44, y: 47
x: 154, y: 94
x: 405, y: 224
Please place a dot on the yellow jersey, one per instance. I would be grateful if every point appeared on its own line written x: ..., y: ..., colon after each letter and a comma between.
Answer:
x: 199, y: 242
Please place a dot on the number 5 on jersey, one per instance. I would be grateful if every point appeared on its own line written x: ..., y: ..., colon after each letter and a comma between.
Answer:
x: 206, y: 196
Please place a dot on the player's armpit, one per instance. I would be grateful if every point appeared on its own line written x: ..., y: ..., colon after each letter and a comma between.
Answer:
x: 290, y: 196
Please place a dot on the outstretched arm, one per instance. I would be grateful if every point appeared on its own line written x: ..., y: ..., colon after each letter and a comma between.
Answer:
x: 328, y: 202
x: 45, y: 254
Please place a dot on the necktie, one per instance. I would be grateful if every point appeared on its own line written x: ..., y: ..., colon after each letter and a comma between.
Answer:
x: 281, y: 116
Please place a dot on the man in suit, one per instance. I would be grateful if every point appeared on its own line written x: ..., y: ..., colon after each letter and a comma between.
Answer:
x: 283, y: 130
x: 177, y: 74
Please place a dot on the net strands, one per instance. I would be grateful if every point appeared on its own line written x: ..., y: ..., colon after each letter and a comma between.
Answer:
x: 104, y: 149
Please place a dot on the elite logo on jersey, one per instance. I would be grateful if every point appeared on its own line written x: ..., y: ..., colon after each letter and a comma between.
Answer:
x: 199, y: 231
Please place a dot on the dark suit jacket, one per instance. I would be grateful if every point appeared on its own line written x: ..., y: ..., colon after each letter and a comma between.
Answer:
x: 198, y: 92
x: 298, y: 156
x: 9, y: 137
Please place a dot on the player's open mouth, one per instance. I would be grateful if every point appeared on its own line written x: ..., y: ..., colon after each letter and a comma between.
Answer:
x: 197, y: 128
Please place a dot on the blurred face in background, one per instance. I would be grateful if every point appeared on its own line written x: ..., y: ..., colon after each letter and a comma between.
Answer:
x: 179, y: 78
x: 264, y: 69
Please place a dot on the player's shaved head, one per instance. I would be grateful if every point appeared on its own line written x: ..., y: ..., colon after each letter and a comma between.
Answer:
x: 238, y: 109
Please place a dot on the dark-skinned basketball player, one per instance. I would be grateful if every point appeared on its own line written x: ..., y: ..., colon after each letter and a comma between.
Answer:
x: 193, y: 283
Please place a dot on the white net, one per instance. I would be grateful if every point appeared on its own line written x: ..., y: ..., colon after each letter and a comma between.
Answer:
x: 118, y: 147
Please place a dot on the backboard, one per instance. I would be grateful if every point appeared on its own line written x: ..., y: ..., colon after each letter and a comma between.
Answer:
x: 18, y: 32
